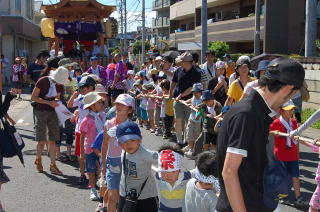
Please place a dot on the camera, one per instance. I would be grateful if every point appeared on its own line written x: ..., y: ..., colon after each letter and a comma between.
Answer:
x: 132, y: 194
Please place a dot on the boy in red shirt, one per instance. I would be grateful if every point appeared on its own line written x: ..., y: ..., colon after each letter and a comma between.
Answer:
x: 287, y: 149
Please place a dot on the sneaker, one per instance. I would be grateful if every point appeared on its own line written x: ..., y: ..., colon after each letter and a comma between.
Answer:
x: 186, y: 149
x: 100, y: 207
x: 158, y: 132
x: 285, y: 201
x: 38, y: 164
x: 54, y: 169
x: 300, y: 202
x: 147, y: 127
x: 152, y: 130
x: 190, y: 155
x: 94, y: 195
x: 82, y: 179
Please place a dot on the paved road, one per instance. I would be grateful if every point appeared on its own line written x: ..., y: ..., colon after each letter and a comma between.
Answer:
x: 32, y: 191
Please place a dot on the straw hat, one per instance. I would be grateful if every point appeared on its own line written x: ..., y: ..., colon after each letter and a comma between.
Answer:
x: 90, y: 99
x: 61, y: 75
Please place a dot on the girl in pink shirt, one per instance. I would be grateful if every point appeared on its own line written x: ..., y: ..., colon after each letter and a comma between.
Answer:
x: 111, y: 150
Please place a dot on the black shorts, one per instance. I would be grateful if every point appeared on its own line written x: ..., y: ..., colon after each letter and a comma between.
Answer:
x: 18, y: 84
x: 149, y: 204
x: 209, y: 138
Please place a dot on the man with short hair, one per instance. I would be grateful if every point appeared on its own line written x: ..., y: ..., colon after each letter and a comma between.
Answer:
x: 242, y: 140
x: 208, y: 68
x: 35, y: 69
x: 98, y: 70
x: 181, y: 89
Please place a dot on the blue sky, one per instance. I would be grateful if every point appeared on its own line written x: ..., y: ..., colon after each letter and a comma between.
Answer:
x: 134, y: 12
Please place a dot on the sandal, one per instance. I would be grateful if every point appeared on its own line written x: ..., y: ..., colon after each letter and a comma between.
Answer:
x: 300, y: 202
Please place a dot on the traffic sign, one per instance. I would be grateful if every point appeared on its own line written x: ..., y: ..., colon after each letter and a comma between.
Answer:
x: 150, y: 52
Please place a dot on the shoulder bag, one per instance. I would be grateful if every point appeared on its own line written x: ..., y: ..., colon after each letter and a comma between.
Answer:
x: 131, y: 198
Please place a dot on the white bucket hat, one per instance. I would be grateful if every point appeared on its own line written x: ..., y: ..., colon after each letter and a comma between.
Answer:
x: 60, y: 76
x: 91, y: 98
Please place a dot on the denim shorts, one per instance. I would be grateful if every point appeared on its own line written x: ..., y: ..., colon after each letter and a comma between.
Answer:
x: 292, y: 167
x: 113, y: 173
x: 91, y: 162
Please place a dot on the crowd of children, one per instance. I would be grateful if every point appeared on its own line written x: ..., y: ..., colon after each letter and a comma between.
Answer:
x: 109, y: 145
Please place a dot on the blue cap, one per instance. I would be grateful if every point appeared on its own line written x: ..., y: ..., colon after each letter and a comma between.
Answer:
x: 263, y: 65
x: 128, y: 130
x: 197, y: 87
x: 207, y: 95
x: 225, y: 109
x: 94, y: 58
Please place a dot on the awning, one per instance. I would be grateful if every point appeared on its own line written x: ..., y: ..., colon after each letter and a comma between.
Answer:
x: 20, y: 26
x: 189, y: 46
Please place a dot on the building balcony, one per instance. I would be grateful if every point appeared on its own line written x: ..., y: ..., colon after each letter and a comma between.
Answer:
x: 235, y: 30
x: 240, y: 29
x: 182, y: 10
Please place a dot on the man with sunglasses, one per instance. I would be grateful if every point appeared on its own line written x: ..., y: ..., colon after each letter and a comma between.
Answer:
x: 241, y: 153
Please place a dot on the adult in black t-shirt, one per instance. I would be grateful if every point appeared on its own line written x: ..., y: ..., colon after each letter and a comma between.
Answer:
x: 35, y: 69
x: 241, y: 152
x: 181, y: 89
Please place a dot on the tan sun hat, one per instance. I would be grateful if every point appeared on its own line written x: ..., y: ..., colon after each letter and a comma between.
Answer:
x: 90, y: 99
x: 61, y: 75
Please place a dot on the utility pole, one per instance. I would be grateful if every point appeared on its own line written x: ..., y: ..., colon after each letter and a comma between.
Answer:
x: 125, y: 25
x: 311, y: 28
x: 143, y: 30
x: 204, y: 37
x: 121, y: 24
x: 257, y: 31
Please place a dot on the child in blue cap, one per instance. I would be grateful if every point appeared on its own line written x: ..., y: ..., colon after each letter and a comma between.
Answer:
x: 137, y: 181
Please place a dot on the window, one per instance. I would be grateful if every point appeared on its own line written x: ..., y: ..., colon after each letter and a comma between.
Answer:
x: 18, y: 5
x: 29, y: 11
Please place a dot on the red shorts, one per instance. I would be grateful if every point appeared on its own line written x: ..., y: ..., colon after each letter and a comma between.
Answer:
x: 77, y: 146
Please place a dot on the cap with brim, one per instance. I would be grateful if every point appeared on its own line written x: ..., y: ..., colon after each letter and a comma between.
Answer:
x: 126, y: 100
x: 226, y: 55
x: 145, y: 87
x: 90, y: 99
x: 65, y: 62
x: 286, y: 71
x: 86, y: 81
x: 128, y: 130
x: 197, y: 87
x: 207, y: 95
x: 288, y: 105
x: 158, y: 58
x: 263, y: 65
x: 125, y: 138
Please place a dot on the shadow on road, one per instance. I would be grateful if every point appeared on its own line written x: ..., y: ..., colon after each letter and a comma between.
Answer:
x: 71, y: 181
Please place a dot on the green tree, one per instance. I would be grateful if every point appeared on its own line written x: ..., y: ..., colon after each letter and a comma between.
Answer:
x: 137, y: 46
x: 219, y: 47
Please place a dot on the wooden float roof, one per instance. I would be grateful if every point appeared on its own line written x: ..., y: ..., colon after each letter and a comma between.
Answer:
x: 78, y: 10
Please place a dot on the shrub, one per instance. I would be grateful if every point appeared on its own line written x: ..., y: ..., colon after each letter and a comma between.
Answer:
x: 306, y: 113
x: 219, y: 47
x: 138, y: 45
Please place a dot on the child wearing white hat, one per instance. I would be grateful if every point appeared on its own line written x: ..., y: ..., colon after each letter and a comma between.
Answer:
x: 90, y: 126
